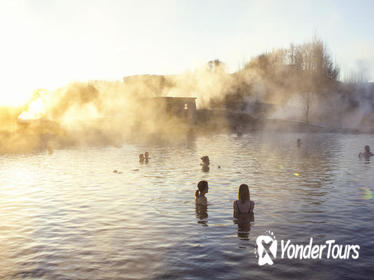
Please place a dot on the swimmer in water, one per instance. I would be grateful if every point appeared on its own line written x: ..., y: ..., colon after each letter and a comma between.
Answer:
x: 299, y: 143
x: 205, y: 163
x: 366, y: 154
x: 243, y: 207
x: 146, y: 154
x: 202, y: 189
x: 239, y: 131
x: 205, y: 160
x: 141, y: 158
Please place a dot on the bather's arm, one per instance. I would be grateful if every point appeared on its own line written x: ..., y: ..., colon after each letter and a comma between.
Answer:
x: 235, y: 215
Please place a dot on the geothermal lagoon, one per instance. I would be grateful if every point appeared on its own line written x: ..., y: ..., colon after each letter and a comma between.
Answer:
x: 67, y: 215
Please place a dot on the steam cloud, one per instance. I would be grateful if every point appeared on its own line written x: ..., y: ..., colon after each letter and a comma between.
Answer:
x: 299, y: 83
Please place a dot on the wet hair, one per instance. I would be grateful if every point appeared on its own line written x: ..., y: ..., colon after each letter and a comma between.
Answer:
x: 243, y: 194
x: 202, y: 186
x: 367, y: 148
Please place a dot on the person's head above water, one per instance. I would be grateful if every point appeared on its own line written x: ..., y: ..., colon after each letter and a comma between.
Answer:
x: 205, y: 160
x: 141, y: 157
x: 367, y: 153
x: 146, y: 154
x: 243, y: 193
x: 202, y: 188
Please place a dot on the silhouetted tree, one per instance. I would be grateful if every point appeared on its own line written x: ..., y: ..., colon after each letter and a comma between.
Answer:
x: 215, y: 65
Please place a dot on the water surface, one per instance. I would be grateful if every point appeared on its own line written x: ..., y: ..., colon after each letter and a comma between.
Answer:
x: 68, y: 216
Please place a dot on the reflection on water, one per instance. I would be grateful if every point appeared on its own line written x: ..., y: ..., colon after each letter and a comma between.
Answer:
x: 202, y: 213
x: 244, y: 226
x: 67, y: 215
x: 205, y: 168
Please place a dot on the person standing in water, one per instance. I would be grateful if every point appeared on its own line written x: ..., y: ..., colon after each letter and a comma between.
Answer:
x: 141, y: 158
x: 146, y: 154
x: 366, y: 154
x: 299, y: 143
x: 244, y: 205
x: 205, y: 160
x: 202, y: 189
x: 205, y: 163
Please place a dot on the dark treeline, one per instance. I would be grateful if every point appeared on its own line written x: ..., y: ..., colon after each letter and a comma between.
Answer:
x: 300, y: 83
x: 307, y: 75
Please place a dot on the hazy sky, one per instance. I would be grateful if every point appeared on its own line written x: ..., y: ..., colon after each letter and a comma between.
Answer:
x: 47, y: 43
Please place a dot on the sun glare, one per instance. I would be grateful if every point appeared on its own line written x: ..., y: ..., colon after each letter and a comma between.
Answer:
x: 35, y: 110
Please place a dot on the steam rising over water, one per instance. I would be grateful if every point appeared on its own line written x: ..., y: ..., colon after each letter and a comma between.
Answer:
x: 299, y: 83
x: 67, y: 215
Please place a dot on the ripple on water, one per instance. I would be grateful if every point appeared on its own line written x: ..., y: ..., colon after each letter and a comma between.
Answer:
x: 68, y: 216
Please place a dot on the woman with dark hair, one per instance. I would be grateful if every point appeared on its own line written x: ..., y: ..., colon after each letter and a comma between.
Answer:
x: 202, y: 189
x: 244, y: 205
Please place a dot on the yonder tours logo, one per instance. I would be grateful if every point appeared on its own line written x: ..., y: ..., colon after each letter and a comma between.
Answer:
x: 267, y: 246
